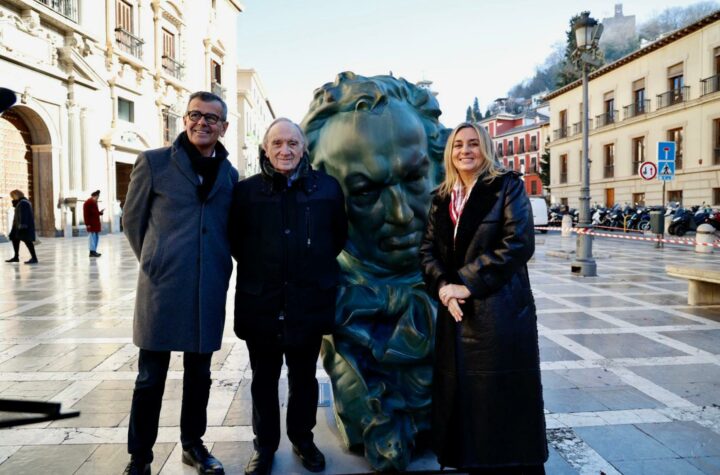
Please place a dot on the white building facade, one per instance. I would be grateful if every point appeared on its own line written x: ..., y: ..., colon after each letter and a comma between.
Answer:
x: 255, y: 114
x: 97, y: 82
x: 666, y: 91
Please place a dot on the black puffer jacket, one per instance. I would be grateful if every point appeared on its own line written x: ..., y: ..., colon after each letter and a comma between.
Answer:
x: 286, y: 240
x: 487, y: 396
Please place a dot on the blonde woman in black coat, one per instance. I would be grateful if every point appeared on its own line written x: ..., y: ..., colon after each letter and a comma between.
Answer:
x: 487, y: 397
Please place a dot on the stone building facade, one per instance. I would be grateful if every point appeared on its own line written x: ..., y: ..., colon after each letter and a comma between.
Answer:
x: 98, y: 81
x: 667, y: 91
x: 255, y: 113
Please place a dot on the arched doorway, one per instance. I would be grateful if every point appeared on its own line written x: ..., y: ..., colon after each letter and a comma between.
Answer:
x: 26, y: 164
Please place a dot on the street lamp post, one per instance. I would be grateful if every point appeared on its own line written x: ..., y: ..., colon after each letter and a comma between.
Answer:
x: 587, y: 35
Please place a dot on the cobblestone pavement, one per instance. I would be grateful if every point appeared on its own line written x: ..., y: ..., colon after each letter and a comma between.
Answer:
x: 631, y: 373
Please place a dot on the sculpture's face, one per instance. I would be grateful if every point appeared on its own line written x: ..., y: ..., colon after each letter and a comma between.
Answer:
x: 382, y: 164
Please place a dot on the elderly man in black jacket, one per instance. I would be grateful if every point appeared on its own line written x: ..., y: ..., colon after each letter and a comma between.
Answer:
x: 287, y: 225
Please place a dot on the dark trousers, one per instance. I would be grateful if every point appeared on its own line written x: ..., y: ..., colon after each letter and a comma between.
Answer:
x: 28, y: 243
x: 266, y: 359
x: 147, y: 401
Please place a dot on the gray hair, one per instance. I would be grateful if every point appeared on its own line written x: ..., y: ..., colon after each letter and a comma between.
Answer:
x: 284, y: 119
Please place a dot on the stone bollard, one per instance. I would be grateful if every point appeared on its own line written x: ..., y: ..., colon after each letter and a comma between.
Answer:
x: 566, y: 226
x: 705, y: 234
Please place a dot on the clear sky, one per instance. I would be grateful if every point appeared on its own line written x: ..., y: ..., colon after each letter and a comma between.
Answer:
x: 468, y: 48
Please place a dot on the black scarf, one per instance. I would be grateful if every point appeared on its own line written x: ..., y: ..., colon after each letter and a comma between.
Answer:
x: 206, y: 167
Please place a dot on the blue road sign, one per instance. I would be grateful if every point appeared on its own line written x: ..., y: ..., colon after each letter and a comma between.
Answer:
x: 666, y: 161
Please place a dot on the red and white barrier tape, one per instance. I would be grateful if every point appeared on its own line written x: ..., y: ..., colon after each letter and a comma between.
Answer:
x: 687, y: 242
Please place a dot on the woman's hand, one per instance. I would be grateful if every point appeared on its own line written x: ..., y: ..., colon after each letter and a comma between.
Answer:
x: 454, y: 308
x: 450, y: 291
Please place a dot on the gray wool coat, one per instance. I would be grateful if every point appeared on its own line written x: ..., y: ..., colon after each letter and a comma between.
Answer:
x: 183, y: 249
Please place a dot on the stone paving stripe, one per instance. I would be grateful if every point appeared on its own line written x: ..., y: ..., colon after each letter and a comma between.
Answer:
x: 118, y: 359
x: 578, y: 454
x: 653, y: 390
x: 15, y: 350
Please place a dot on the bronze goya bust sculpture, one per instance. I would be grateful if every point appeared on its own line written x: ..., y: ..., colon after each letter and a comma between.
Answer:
x: 381, y: 139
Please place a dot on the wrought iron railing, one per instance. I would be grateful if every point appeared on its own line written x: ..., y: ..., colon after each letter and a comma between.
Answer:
x: 173, y: 67
x: 609, y: 171
x: 561, y: 133
x: 563, y: 177
x: 605, y: 119
x: 711, y: 84
x: 637, y: 108
x: 129, y: 42
x: 67, y: 8
x: 673, y: 96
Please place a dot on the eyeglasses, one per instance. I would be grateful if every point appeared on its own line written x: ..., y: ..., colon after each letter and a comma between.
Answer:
x: 195, y: 116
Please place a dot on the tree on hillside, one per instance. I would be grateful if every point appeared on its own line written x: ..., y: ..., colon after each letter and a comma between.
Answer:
x: 476, y: 110
x: 469, y: 115
x: 570, y: 70
x: 673, y: 18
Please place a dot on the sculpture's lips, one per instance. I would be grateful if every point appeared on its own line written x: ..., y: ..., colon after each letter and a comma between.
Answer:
x: 396, y: 243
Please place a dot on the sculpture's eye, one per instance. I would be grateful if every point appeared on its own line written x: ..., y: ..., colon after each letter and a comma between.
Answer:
x: 363, y: 105
x: 365, y: 195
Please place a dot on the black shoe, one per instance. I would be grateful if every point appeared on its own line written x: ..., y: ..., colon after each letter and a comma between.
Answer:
x: 95, y: 254
x: 260, y: 463
x: 311, y: 457
x: 137, y: 468
x: 13, y: 259
x: 32, y: 261
x: 199, y: 457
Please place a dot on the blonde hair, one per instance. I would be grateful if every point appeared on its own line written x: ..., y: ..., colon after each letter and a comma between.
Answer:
x: 489, y: 167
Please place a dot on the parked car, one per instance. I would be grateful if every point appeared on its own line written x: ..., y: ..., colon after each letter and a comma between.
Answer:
x: 540, y: 212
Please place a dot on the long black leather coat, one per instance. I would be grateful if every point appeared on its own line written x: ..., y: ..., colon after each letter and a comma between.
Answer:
x: 23, y: 227
x: 286, y: 240
x: 487, y: 396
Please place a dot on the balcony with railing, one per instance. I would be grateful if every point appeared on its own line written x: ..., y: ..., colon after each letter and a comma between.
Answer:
x: 609, y: 171
x: 128, y: 42
x: 636, y: 109
x: 66, y: 8
x: 605, y: 119
x: 217, y: 89
x: 172, y: 67
x: 561, y: 133
x: 710, y: 85
x: 673, y: 96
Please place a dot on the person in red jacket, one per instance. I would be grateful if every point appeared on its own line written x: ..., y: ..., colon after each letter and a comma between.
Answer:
x: 92, y: 214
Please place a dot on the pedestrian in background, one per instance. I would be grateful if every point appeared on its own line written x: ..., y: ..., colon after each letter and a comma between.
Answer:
x: 288, y: 225
x: 23, y: 227
x: 176, y: 220
x: 487, y: 409
x: 91, y: 216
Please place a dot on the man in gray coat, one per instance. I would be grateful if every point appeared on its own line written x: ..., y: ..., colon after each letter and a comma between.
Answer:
x: 176, y: 218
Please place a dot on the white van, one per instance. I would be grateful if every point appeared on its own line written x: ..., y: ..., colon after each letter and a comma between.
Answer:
x: 540, y: 212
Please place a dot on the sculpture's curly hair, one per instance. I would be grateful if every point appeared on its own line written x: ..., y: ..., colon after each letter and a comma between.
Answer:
x: 354, y: 93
